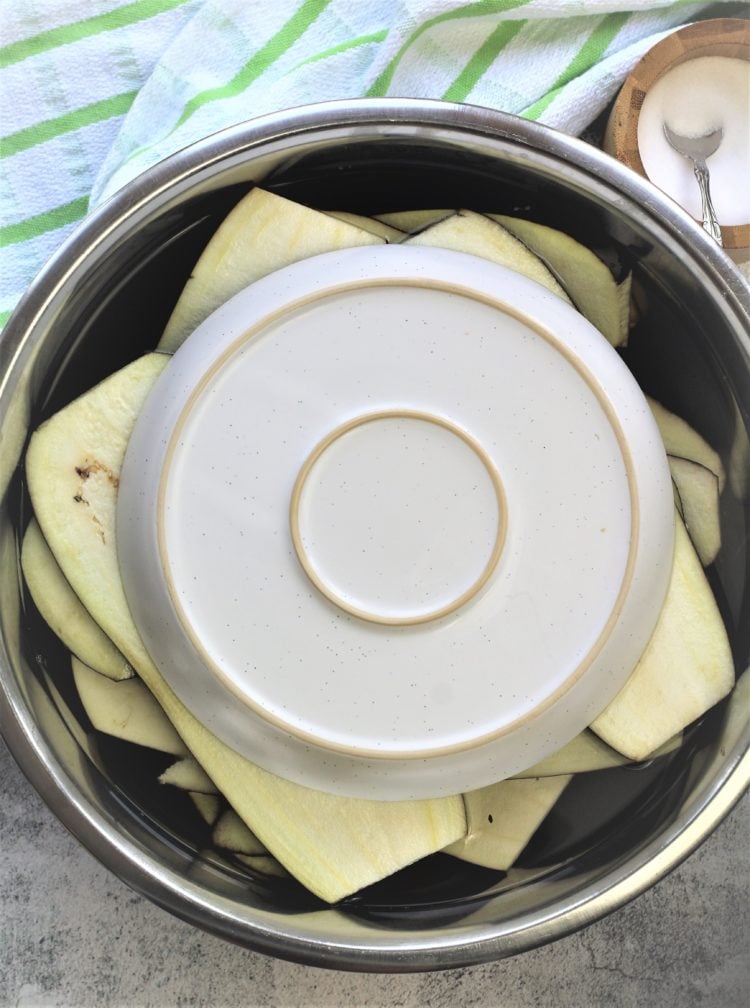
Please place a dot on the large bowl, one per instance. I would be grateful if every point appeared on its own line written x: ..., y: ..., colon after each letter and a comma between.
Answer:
x: 105, y: 298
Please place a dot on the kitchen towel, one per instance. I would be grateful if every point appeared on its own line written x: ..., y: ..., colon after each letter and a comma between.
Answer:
x: 92, y: 92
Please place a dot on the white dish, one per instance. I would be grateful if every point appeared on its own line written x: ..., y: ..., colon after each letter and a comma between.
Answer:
x: 395, y: 522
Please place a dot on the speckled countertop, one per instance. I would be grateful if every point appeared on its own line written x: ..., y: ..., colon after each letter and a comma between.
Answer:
x: 73, y: 936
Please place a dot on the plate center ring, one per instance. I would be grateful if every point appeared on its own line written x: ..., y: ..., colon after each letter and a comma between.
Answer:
x: 398, y: 516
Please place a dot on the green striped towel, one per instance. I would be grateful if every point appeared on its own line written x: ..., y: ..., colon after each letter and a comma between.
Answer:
x: 92, y: 92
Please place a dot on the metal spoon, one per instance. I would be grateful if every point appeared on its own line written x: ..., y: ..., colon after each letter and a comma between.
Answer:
x: 697, y: 149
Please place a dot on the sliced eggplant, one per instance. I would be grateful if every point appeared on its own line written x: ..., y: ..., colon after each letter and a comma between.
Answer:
x: 264, y: 864
x: 188, y: 775
x: 85, y: 740
x: 587, y: 753
x: 698, y: 489
x: 502, y: 818
x: 466, y: 231
x: 232, y: 834
x: 581, y: 272
x: 411, y: 221
x: 63, y: 611
x: 628, y: 312
x: 125, y: 710
x: 207, y: 805
x: 682, y: 441
x: 372, y: 225
x: 687, y: 666
x: 263, y: 233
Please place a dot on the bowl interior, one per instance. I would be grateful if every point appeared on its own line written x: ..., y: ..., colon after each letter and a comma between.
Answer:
x: 683, y: 351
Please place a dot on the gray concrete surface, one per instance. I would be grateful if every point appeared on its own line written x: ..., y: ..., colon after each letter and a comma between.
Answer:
x: 73, y: 936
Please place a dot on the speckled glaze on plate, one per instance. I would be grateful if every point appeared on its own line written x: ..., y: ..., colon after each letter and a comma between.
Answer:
x: 395, y: 522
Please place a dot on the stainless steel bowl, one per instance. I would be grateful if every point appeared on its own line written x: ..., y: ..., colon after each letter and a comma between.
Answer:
x: 104, y: 299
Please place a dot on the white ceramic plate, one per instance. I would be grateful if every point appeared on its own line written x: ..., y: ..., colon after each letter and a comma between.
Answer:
x: 395, y: 522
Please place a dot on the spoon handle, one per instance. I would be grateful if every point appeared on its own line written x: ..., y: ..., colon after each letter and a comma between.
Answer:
x: 710, y: 223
